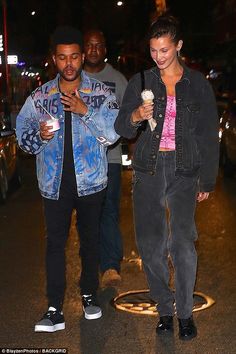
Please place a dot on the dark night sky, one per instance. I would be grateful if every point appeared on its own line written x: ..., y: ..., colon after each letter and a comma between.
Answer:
x: 29, y: 35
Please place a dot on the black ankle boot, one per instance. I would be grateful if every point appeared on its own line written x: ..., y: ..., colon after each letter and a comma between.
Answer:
x: 187, y: 329
x: 165, y: 324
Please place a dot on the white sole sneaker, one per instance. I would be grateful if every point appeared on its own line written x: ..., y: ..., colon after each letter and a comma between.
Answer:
x: 92, y: 316
x: 56, y: 327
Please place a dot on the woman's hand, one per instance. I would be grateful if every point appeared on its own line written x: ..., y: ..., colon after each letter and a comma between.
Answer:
x: 143, y: 112
x: 74, y: 103
x: 202, y: 196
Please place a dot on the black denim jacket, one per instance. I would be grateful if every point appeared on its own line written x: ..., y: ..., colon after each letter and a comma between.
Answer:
x: 196, y: 127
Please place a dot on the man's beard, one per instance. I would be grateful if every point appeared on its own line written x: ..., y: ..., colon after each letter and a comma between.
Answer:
x: 95, y: 64
x: 75, y: 76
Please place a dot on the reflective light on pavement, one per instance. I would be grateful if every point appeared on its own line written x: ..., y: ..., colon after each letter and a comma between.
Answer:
x: 139, y: 302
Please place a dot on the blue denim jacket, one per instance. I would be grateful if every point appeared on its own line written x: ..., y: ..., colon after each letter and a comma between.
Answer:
x: 91, y: 134
x: 196, y: 127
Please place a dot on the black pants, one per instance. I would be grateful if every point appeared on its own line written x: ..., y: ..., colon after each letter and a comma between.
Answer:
x: 58, y: 219
x: 158, y: 236
x: 111, y: 239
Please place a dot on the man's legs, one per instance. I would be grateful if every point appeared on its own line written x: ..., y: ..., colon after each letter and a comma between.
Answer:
x: 88, y: 210
x: 111, y: 239
x: 58, y: 219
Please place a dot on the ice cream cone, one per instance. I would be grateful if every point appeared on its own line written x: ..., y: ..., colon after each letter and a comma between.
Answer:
x: 148, y: 98
x: 147, y: 101
x: 147, y: 95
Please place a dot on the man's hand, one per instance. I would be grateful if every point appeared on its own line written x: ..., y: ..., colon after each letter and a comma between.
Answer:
x: 202, y: 196
x: 74, y: 103
x: 44, y: 131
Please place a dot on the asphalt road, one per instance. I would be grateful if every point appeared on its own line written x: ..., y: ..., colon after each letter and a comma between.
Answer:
x: 22, y: 287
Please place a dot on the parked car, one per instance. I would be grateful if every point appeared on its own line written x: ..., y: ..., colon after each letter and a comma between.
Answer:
x: 8, y: 159
x: 228, y: 140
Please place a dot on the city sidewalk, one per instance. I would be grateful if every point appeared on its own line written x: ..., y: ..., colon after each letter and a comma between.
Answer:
x: 22, y: 293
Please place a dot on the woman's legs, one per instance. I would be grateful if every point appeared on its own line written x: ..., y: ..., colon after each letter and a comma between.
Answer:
x: 182, y: 202
x: 152, y: 234
x: 152, y: 195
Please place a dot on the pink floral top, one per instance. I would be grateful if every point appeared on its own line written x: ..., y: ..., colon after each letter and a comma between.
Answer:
x: 168, y: 132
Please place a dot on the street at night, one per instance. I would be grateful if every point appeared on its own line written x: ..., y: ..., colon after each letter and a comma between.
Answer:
x: 23, y: 280
x: 90, y: 92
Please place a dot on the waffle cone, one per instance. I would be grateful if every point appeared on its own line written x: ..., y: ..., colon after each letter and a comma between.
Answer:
x: 147, y: 101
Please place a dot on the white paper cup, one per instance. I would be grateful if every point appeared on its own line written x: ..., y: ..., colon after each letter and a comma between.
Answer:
x: 54, y: 123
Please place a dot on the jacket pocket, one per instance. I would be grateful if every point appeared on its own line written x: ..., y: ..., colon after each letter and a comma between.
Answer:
x: 193, y: 110
x: 193, y: 107
x: 141, y: 147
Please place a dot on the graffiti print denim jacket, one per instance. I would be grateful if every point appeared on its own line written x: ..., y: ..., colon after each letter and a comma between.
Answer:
x: 91, y: 134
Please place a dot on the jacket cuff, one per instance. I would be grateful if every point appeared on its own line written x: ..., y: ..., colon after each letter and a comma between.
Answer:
x: 44, y: 141
x: 206, y: 187
x: 135, y: 124
x: 88, y: 114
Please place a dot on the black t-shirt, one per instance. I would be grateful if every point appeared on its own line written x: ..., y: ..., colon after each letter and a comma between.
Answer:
x: 68, y: 182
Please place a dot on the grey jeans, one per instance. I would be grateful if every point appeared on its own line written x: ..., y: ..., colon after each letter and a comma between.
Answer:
x: 160, y: 233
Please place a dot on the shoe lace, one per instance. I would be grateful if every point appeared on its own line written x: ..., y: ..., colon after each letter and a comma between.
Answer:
x: 50, y: 313
x: 88, y: 299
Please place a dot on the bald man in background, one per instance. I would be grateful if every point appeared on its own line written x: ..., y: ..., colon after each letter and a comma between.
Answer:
x: 111, y: 239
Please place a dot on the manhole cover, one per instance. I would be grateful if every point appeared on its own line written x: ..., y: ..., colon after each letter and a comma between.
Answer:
x: 139, y: 302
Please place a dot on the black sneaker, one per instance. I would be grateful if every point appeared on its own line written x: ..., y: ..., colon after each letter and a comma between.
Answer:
x: 165, y: 325
x: 52, y: 321
x: 91, y: 310
x: 187, y: 329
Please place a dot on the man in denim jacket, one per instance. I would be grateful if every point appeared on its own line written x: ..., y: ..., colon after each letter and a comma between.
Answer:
x: 71, y: 167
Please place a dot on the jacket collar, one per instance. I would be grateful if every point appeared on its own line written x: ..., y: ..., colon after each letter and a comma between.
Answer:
x: 85, y: 85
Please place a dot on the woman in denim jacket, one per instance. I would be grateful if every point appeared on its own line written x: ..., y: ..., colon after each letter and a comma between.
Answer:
x: 175, y: 163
